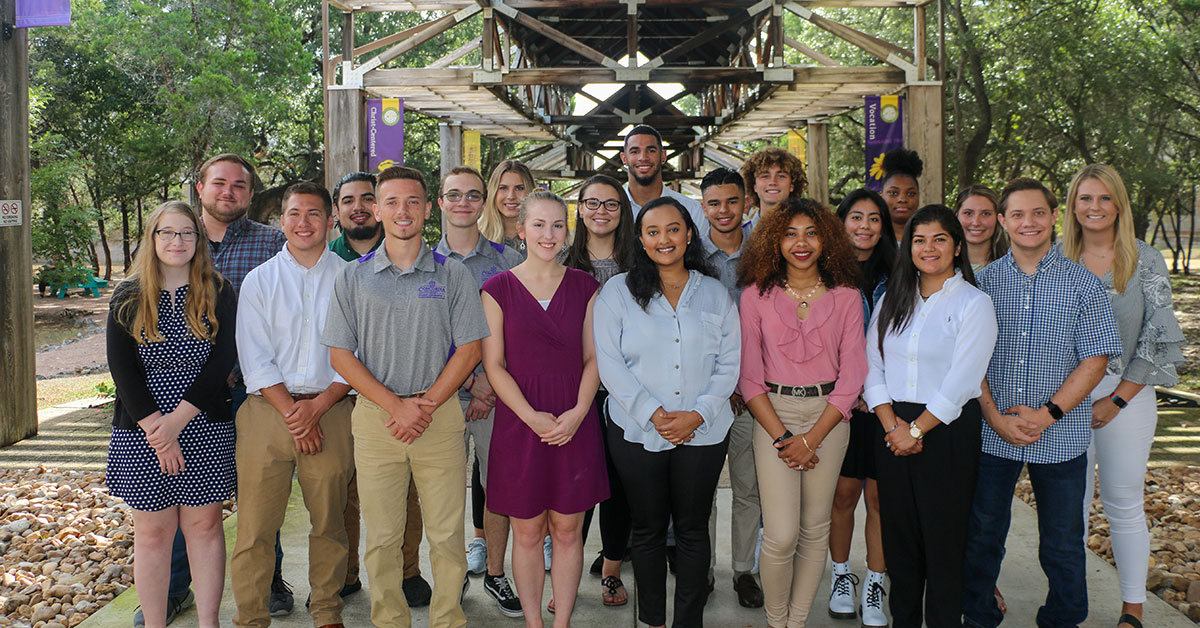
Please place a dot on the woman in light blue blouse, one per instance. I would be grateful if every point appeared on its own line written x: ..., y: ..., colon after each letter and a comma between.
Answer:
x: 668, y: 345
x: 1098, y: 233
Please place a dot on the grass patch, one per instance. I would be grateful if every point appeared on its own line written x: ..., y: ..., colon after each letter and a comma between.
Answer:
x: 52, y: 392
x: 1177, y: 437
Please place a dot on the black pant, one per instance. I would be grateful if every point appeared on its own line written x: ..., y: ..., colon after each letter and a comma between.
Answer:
x: 924, y: 506
x: 614, y: 511
x: 662, y: 486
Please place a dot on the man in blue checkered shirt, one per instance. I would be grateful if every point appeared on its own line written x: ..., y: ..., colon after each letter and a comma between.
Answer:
x: 1057, y: 333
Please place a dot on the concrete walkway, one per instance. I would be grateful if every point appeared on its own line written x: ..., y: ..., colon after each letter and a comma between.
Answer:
x: 77, y: 438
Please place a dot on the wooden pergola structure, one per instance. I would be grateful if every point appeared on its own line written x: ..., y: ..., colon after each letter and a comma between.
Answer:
x: 536, y: 56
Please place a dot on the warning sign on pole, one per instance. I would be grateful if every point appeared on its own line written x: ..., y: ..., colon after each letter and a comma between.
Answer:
x: 10, y: 213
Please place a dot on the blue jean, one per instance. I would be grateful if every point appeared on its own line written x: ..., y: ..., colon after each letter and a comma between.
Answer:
x: 181, y: 571
x: 1058, y: 489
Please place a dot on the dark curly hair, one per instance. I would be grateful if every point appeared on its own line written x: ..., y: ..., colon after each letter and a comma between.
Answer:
x: 763, y: 265
x: 902, y: 161
x: 773, y: 156
x: 643, y: 279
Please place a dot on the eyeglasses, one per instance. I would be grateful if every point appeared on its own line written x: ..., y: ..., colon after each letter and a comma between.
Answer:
x: 454, y: 197
x: 610, y: 205
x: 166, y: 235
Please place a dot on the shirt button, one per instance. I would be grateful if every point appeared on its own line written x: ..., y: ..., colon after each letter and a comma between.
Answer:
x: 912, y: 359
x: 914, y: 335
x: 1020, y: 361
x: 676, y: 340
x: 1024, y: 334
x: 676, y: 367
x: 1020, y: 390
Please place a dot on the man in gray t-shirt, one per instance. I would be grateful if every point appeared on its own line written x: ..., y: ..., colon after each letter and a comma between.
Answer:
x: 403, y: 329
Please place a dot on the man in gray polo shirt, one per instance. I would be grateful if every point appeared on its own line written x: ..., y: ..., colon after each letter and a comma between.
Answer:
x: 461, y: 202
x: 724, y: 239
x: 403, y: 329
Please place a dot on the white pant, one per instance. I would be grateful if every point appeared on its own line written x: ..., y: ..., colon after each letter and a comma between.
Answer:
x: 1121, y: 449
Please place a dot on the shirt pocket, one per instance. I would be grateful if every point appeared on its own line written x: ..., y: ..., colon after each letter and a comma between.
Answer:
x: 710, y: 332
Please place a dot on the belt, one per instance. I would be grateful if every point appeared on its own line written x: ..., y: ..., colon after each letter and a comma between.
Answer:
x: 801, y: 391
x: 304, y: 397
x: 411, y: 395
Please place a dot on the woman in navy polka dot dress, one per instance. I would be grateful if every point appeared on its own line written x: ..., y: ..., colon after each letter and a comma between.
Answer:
x: 171, y: 348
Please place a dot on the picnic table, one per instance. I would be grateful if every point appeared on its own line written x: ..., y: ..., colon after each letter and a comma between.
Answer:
x: 91, y: 287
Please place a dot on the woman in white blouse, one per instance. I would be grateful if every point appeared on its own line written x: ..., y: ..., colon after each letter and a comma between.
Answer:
x: 668, y: 345
x: 928, y: 347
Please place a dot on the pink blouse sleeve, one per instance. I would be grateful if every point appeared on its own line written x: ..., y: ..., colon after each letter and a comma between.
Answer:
x: 751, y: 381
x: 852, y: 352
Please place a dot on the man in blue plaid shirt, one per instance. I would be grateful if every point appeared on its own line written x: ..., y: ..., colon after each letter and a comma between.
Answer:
x: 1057, y: 333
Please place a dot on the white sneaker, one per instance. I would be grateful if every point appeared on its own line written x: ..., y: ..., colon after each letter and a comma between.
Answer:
x: 548, y: 552
x: 872, y: 600
x: 477, y: 556
x: 842, y: 588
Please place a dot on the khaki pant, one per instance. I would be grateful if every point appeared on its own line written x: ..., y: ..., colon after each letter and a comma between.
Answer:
x: 266, y: 459
x: 437, y: 464
x: 412, y: 533
x: 796, y: 508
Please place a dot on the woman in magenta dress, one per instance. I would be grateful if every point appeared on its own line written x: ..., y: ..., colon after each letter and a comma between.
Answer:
x: 546, y: 454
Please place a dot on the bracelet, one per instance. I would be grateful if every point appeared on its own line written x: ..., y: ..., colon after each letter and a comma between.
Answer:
x: 892, y: 429
x: 1118, y: 401
x: 805, y: 441
x: 786, y: 435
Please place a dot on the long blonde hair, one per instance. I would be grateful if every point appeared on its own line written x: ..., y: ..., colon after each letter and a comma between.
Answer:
x: 139, y: 312
x: 491, y: 221
x: 1125, y: 246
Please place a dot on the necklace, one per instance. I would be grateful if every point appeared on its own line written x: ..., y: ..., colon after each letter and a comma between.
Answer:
x: 802, y: 298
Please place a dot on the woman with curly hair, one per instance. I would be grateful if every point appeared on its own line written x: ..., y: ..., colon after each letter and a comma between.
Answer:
x: 667, y: 344
x: 510, y: 182
x: 803, y: 365
x: 976, y: 210
x: 1098, y: 233
x: 773, y: 176
x: 171, y: 346
x: 901, y: 189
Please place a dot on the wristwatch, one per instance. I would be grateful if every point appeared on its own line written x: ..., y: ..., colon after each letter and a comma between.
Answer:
x: 1118, y: 401
x: 786, y: 435
x: 915, y: 431
x: 1056, y: 412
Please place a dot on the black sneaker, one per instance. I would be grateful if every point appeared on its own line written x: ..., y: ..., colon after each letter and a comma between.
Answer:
x: 175, y: 606
x: 349, y: 589
x: 416, y: 591
x: 597, y: 567
x: 499, y: 588
x: 281, y: 597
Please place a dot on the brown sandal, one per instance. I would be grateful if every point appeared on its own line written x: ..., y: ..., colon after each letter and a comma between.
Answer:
x: 612, y: 585
x: 1000, y: 602
x: 550, y: 606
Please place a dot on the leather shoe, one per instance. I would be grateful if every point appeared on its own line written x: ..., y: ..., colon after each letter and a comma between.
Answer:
x: 333, y: 626
x: 749, y: 594
x: 416, y: 591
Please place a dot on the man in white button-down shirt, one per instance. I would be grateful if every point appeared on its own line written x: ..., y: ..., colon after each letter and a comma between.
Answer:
x: 296, y: 416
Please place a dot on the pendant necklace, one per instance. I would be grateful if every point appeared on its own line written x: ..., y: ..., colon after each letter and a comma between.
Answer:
x: 802, y: 298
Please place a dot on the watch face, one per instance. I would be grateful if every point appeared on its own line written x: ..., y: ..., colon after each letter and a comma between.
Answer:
x: 915, y: 431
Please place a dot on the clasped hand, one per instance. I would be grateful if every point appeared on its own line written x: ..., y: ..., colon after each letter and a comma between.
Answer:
x: 557, y: 430
x: 303, y: 423
x: 483, y: 399
x: 678, y: 426
x: 1021, y: 425
x: 796, y: 455
x: 409, y: 417
x: 162, y: 434
x: 901, y: 442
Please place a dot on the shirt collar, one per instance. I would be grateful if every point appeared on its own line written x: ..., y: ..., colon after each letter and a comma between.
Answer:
x: 1048, y: 261
x: 424, y: 263
x: 689, y: 289
x: 237, y: 226
x: 482, y: 247
x: 710, y: 249
x: 324, y: 260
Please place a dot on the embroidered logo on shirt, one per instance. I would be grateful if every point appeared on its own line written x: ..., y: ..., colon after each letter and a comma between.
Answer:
x: 431, y: 290
x: 489, y: 273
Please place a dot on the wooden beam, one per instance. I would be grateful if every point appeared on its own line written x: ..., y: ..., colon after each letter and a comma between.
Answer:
x: 18, y: 373
x: 919, y: 42
x: 817, y: 154
x: 348, y: 33
x: 386, y: 41
x: 487, y: 47
x: 703, y: 38
x: 563, y: 39
x: 924, y: 133
x: 438, y: 27
x: 575, y: 76
x: 456, y: 54
x: 811, y: 53
x: 344, y: 150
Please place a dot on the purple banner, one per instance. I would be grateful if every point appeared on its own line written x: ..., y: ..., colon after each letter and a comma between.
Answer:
x: 385, y: 133
x: 884, y: 122
x: 43, y: 13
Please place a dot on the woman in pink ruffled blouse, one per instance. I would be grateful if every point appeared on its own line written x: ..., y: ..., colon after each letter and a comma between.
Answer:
x: 803, y: 366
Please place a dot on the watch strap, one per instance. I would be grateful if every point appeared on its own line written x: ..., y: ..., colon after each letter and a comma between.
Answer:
x: 1118, y: 401
x: 1056, y: 412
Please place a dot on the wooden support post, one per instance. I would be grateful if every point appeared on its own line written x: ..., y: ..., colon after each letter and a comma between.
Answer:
x: 348, y: 37
x: 344, y: 146
x: 919, y: 41
x: 450, y: 135
x: 817, y: 150
x: 18, y: 374
x: 923, y: 131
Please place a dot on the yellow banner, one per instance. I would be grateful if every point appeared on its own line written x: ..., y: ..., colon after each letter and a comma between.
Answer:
x: 798, y: 144
x: 472, y: 155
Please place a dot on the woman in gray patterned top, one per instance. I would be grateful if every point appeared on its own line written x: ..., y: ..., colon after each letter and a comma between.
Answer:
x: 1098, y: 233
x: 602, y: 247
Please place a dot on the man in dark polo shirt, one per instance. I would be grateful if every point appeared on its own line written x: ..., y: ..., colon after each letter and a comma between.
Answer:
x: 354, y: 203
x: 403, y: 329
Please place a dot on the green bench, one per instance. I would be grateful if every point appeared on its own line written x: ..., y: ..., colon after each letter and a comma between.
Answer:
x: 91, y: 287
